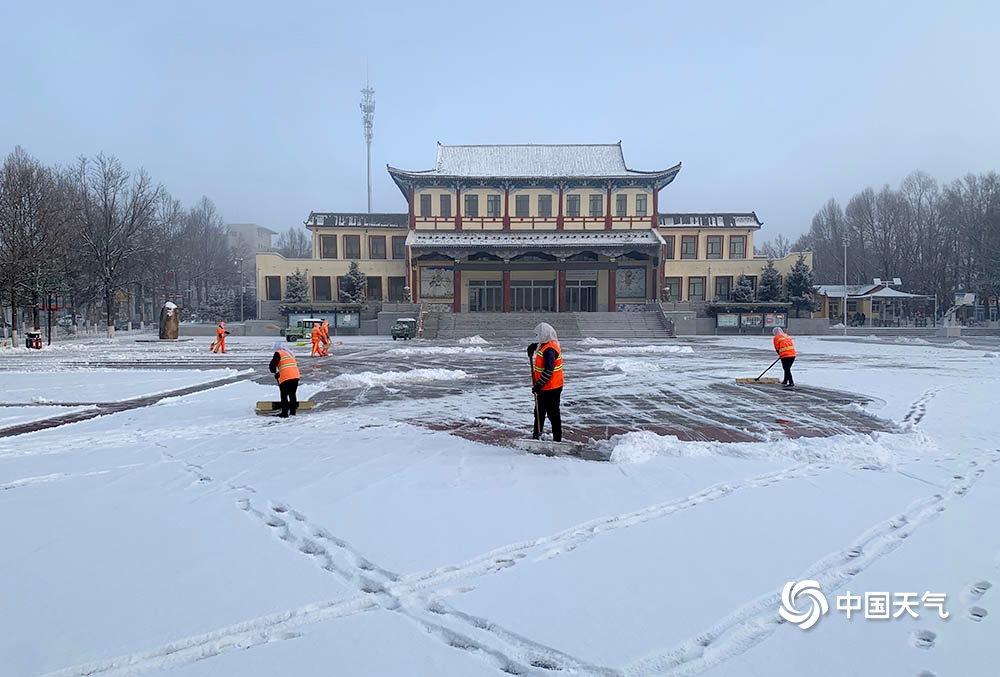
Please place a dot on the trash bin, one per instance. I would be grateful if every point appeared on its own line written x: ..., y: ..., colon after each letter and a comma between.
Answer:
x: 33, y: 339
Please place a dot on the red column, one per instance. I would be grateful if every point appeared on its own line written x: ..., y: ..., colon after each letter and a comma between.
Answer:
x: 655, y: 216
x: 607, y: 212
x: 412, y: 213
x: 559, y: 215
x: 458, y: 208
x: 506, y: 291
x: 456, y: 304
x: 612, y: 290
x: 562, y: 291
x: 415, y: 286
x: 506, y: 207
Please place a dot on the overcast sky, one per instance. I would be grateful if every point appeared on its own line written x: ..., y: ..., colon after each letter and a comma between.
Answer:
x: 773, y: 107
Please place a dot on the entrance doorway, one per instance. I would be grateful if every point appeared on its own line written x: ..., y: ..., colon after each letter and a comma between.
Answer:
x: 531, y: 296
x: 581, y: 296
x: 485, y: 296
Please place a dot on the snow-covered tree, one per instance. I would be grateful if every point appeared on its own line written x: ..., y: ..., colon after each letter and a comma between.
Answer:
x: 743, y: 292
x: 220, y: 305
x: 800, y: 287
x: 354, y: 285
x: 297, y: 289
x: 770, y: 283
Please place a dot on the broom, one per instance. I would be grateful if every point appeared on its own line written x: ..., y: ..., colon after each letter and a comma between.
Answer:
x: 761, y: 379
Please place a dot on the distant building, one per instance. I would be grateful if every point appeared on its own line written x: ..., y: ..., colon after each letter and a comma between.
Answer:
x: 501, y: 228
x: 873, y: 305
x: 256, y: 238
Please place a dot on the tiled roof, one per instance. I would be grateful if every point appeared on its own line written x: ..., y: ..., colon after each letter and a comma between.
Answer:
x: 532, y: 238
x: 533, y: 161
x: 356, y: 220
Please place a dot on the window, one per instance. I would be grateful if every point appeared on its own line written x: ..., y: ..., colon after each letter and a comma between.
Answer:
x: 669, y: 239
x: 472, y: 205
x: 273, y: 285
x: 689, y: 247
x: 493, y: 205
x: 640, y: 205
x: 425, y: 205
x: 597, y: 205
x: 738, y: 246
x: 352, y: 246
x: 572, y: 205
x: 340, y: 285
x: 696, y: 289
x: 672, y: 289
x: 723, y: 288
x: 321, y: 289
x: 621, y: 205
x: 545, y: 206
x: 399, y: 246
x: 374, y: 290
x: 396, y: 285
x: 376, y: 246
x: 328, y: 246
x: 446, y: 206
x: 714, y: 246
x: 521, y: 205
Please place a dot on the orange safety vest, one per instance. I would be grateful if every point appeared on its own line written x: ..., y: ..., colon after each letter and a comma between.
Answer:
x: 784, y: 345
x: 556, y: 380
x: 317, y: 333
x: 325, y: 330
x: 220, y: 333
x: 288, y: 368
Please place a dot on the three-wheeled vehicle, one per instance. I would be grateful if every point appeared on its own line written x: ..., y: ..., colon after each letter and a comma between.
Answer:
x: 404, y: 328
x: 302, y: 329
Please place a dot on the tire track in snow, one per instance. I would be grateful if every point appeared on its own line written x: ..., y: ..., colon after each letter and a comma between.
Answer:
x: 754, y: 622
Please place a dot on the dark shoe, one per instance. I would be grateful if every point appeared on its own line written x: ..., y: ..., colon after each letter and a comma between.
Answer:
x: 282, y: 415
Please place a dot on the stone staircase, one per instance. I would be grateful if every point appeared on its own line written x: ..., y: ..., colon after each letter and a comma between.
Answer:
x: 519, y: 326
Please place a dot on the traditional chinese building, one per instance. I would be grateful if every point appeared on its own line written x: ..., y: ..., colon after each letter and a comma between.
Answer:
x: 513, y: 228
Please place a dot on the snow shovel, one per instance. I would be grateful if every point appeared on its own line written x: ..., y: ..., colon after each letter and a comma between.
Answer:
x: 761, y: 379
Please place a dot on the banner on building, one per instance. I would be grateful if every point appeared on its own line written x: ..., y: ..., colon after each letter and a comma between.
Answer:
x: 727, y: 320
x: 630, y: 282
x: 437, y: 283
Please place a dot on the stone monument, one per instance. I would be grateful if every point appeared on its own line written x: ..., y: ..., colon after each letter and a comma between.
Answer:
x: 170, y: 321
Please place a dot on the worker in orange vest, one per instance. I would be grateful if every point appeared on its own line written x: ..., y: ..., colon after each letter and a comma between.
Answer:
x: 220, y: 338
x: 286, y: 371
x: 785, y: 348
x: 316, y: 336
x: 325, y: 350
x: 546, y: 379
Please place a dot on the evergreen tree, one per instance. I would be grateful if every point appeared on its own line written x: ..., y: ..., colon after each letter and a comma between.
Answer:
x: 353, y: 285
x: 770, y: 283
x: 219, y: 305
x: 800, y: 287
x: 743, y: 292
x: 297, y: 290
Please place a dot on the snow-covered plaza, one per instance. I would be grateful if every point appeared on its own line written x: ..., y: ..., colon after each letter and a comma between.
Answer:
x: 151, y: 522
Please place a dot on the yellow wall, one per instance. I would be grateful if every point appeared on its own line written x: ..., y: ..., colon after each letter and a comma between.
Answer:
x: 388, y: 233
x: 269, y: 264
x: 710, y: 269
x: 703, y: 234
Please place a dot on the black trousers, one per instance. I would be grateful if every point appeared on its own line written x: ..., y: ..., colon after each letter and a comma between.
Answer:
x: 288, y: 402
x: 547, y: 404
x: 786, y: 364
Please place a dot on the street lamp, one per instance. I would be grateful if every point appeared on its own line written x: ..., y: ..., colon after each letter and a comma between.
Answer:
x: 846, y: 242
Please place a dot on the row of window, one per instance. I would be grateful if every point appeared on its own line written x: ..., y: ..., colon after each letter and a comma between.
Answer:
x: 724, y: 285
x: 714, y: 245
x: 522, y: 205
x: 322, y: 288
x: 352, y: 247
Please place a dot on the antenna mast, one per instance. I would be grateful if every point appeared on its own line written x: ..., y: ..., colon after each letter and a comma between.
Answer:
x: 368, y: 115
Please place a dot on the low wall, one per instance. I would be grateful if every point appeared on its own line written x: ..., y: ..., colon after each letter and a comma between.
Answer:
x: 206, y: 329
x: 684, y: 322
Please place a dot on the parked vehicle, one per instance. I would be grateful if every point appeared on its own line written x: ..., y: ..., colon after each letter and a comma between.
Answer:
x: 302, y: 329
x: 404, y: 328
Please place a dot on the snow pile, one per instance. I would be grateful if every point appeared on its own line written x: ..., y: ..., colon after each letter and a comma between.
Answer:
x: 640, y: 350
x: 839, y: 325
x: 960, y: 344
x: 912, y: 341
x: 991, y: 354
x: 476, y: 340
x: 873, y: 337
x: 371, y: 379
x: 876, y: 451
x: 435, y: 350
x: 591, y: 341
x: 38, y: 399
x: 628, y: 366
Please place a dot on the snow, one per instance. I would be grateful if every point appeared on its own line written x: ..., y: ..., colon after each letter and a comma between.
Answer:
x: 533, y: 238
x: 194, y: 538
x: 476, y: 340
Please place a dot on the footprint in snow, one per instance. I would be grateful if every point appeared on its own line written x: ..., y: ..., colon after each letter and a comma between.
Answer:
x: 279, y: 508
x: 976, y: 590
x: 977, y: 614
x: 923, y: 639
x: 274, y: 521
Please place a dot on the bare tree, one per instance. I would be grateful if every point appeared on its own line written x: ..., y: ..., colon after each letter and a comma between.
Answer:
x: 115, y: 217
x: 295, y: 243
x: 778, y: 248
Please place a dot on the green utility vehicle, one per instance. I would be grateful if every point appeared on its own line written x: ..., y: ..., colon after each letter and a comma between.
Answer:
x: 302, y: 329
x: 405, y: 328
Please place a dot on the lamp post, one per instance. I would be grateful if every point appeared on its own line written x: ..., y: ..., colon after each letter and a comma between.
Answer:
x: 846, y: 242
